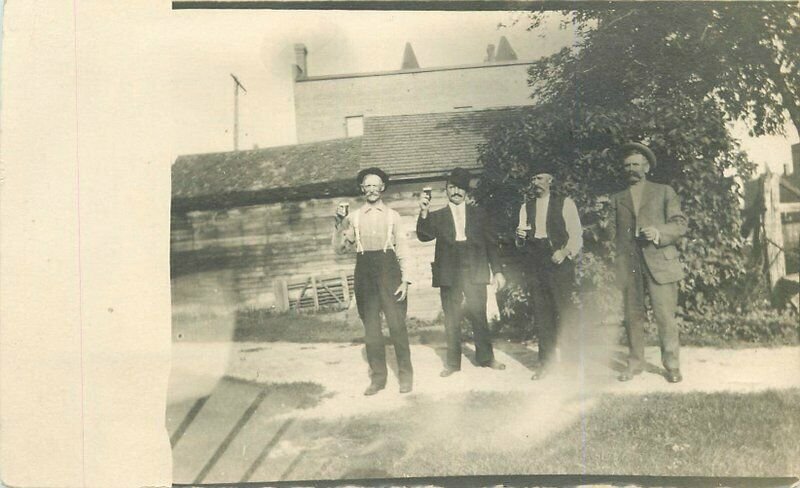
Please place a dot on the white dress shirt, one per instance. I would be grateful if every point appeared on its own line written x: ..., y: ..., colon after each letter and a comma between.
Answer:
x: 374, y: 227
x: 460, y: 220
x: 542, y: 205
x: 571, y: 218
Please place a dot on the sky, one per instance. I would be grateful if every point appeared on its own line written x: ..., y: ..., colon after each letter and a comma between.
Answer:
x: 257, y: 46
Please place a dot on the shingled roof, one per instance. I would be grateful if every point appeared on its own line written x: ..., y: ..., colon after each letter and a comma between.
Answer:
x: 300, y: 171
x: 429, y: 145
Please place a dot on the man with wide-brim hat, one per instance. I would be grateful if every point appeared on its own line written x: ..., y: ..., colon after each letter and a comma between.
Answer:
x: 646, y: 221
x: 381, y: 277
x: 550, y: 236
x: 465, y: 258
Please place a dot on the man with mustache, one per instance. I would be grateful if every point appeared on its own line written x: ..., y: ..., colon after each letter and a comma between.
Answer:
x: 550, y: 234
x: 381, y: 277
x: 465, y: 251
x: 646, y: 221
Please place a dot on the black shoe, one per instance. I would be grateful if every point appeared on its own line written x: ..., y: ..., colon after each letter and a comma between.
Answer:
x: 406, y: 388
x: 448, y: 371
x: 494, y: 364
x: 674, y: 376
x: 628, y: 374
x: 373, y: 389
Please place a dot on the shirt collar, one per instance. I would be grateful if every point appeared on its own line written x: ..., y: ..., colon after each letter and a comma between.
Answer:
x: 638, y: 186
x: 453, y: 206
x: 380, y: 206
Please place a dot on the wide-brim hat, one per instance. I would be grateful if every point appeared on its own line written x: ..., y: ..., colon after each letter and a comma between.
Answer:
x: 372, y: 171
x: 641, y: 149
x: 460, y: 177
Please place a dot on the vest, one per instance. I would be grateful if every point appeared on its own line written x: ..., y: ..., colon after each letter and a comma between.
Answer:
x: 556, y: 227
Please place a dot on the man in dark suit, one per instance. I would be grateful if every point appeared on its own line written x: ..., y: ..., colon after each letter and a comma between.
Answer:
x: 466, y: 249
x: 550, y: 235
x: 646, y: 222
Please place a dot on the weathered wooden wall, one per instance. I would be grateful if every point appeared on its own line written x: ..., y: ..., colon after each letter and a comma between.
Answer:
x: 263, y: 243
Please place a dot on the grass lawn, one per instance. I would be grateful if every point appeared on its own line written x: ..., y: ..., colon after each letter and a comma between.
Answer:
x: 201, y: 324
x: 693, y: 434
x: 683, y: 434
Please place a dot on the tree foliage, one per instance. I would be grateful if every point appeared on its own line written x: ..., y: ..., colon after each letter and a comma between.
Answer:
x: 673, y: 76
x: 745, y: 56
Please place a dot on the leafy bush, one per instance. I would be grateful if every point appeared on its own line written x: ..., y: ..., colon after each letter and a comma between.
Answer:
x: 516, y: 314
x: 761, y: 326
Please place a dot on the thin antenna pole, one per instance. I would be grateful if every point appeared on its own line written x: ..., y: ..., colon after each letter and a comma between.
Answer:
x: 236, y: 86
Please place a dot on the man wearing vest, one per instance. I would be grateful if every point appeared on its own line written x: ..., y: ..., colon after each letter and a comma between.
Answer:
x: 465, y: 250
x: 550, y: 234
x: 381, y: 279
x: 646, y: 221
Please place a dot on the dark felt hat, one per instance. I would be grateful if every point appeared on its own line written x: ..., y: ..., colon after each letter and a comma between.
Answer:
x: 544, y: 167
x: 460, y: 177
x: 641, y: 149
x: 372, y: 171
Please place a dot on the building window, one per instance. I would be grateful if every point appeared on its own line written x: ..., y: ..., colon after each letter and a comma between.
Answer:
x: 354, y: 125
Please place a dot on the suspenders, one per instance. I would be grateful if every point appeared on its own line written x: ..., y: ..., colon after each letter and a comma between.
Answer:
x: 355, y: 218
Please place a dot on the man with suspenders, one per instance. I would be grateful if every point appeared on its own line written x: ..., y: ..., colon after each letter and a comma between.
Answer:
x: 381, y: 278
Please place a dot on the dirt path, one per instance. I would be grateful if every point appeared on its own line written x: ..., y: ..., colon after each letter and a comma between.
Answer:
x: 341, y: 370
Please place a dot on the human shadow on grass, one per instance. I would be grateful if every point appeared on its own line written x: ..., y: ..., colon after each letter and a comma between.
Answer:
x: 522, y: 354
x: 437, y: 340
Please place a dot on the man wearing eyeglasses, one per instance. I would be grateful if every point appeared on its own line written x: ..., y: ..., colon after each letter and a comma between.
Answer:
x: 381, y: 277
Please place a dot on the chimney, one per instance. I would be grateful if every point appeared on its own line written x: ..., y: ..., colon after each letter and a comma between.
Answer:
x: 300, y: 61
x: 796, y: 158
x: 409, y: 59
x: 489, y: 54
x: 504, y: 51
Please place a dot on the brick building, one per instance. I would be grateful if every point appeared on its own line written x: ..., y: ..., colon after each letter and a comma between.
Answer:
x: 335, y: 106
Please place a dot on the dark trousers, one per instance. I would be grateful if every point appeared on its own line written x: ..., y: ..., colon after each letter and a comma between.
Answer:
x: 550, y: 286
x: 664, y: 300
x: 474, y: 297
x: 377, y: 277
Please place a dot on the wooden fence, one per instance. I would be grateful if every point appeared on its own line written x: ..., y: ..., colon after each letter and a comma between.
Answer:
x: 314, y: 293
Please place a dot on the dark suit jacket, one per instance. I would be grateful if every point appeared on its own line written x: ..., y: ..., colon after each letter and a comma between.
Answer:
x: 481, y: 244
x: 660, y: 208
